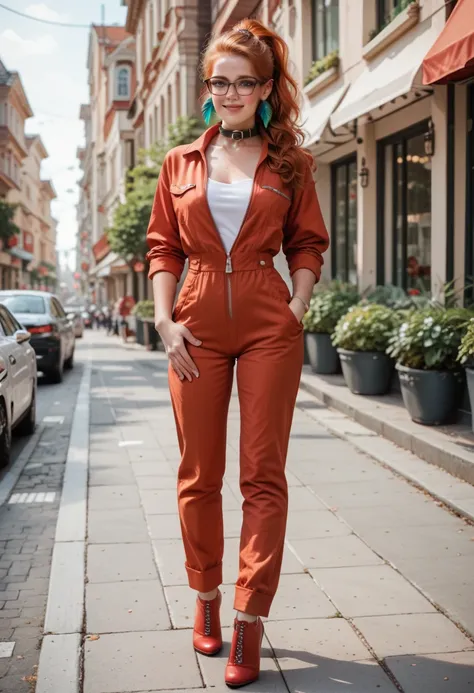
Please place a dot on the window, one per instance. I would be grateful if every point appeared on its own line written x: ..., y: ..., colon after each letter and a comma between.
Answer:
x: 26, y: 303
x: 388, y: 9
x: 344, y: 220
x: 325, y: 27
x: 123, y: 83
x: 406, y: 214
x: 7, y: 323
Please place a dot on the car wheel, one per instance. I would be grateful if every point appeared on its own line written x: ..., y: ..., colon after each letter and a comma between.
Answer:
x: 27, y: 425
x: 56, y: 376
x: 5, y: 437
x: 69, y: 363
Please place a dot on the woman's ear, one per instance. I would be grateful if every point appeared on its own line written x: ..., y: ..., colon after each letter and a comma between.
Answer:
x: 267, y: 89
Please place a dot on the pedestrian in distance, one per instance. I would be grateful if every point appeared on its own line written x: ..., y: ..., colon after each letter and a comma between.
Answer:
x: 228, y: 202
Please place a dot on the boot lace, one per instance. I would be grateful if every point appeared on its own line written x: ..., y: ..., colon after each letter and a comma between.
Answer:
x: 207, y: 618
x: 239, y: 650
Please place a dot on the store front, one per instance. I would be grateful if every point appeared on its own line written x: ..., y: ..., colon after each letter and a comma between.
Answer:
x: 404, y: 232
x: 344, y: 220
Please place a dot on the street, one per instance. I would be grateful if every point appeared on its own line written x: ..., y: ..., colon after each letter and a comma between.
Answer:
x: 375, y: 592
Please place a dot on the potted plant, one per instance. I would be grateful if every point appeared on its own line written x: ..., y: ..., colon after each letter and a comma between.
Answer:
x: 325, y: 309
x: 144, y: 314
x: 466, y: 358
x: 426, y: 347
x: 361, y: 337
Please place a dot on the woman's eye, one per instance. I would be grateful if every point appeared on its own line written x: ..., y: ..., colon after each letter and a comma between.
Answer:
x: 246, y: 83
x: 218, y: 83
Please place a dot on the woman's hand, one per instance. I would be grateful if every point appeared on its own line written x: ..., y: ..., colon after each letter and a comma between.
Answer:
x: 297, y: 308
x: 173, y: 335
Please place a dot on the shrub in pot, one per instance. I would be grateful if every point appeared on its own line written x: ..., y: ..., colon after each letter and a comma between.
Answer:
x: 325, y: 309
x: 466, y: 358
x: 425, y: 348
x: 361, y: 337
x: 144, y: 312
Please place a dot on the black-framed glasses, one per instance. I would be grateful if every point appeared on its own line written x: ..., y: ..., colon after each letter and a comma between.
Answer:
x: 244, y: 86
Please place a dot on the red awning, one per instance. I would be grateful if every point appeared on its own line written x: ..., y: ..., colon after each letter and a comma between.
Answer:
x: 451, y: 59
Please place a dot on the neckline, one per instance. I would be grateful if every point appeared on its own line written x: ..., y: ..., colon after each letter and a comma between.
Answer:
x: 234, y: 182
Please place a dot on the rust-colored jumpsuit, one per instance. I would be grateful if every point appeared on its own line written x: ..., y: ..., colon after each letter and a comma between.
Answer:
x: 237, y: 304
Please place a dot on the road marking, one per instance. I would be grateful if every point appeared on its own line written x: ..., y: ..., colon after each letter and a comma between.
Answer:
x: 53, y: 419
x: 126, y: 443
x: 6, y: 649
x: 19, y: 498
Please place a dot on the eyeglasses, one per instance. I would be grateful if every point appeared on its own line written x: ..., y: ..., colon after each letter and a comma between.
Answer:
x: 243, y: 87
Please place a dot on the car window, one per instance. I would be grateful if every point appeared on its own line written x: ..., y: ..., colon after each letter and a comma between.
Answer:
x: 24, y: 303
x: 54, y: 308
x: 7, y: 323
x: 59, y: 308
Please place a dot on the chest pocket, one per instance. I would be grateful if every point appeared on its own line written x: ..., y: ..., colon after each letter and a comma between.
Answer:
x: 182, y: 194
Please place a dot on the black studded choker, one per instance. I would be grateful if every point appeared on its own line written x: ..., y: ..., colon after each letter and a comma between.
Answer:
x: 239, y: 134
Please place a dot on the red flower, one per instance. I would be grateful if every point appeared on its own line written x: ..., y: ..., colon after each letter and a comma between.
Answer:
x: 413, y: 292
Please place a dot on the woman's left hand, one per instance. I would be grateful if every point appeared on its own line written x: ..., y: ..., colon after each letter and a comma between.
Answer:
x: 297, y: 308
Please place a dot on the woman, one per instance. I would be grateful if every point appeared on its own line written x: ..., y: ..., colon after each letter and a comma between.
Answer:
x: 228, y: 202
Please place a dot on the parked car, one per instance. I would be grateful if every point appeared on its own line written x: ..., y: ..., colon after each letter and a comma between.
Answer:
x: 18, y: 378
x: 52, y: 333
x: 75, y: 315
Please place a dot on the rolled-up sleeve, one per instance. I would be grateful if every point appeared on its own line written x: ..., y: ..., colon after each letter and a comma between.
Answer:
x: 305, y: 235
x: 163, y: 239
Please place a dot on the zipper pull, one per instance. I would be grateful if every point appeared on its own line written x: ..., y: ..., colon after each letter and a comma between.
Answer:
x: 228, y: 265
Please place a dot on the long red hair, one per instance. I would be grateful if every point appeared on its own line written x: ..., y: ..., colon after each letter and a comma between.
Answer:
x: 268, y: 54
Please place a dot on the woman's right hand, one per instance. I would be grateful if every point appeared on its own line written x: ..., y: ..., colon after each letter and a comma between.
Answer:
x: 173, y: 335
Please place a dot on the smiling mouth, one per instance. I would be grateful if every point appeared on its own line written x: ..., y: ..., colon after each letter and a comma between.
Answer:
x: 233, y: 107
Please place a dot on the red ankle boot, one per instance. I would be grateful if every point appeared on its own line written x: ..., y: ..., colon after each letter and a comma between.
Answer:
x: 243, y: 666
x: 207, y: 636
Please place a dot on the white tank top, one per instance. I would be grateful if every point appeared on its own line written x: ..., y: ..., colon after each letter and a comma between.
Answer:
x: 228, y: 203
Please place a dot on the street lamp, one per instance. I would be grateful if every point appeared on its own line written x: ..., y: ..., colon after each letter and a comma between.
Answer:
x: 430, y: 140
x: 364, y: 174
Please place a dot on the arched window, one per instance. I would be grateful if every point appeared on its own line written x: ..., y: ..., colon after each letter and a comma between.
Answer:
x: 123, y: 83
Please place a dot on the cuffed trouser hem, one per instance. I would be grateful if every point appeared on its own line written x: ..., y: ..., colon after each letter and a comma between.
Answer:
x: 205, y: 581
x: 252, y: 602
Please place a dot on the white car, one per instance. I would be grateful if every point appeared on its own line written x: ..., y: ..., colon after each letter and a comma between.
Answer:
x: 18, y: 381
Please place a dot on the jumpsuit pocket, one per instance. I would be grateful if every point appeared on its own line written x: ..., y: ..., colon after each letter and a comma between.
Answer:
x: 181, y: 200
x: 184, y: 294
x: 280, y: 291
x: 277, y: 192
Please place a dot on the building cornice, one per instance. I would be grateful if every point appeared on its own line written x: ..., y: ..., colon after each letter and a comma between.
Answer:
x: 135, y: 8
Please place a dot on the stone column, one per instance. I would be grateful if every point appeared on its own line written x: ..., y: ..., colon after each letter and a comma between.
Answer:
x: 367, y: 209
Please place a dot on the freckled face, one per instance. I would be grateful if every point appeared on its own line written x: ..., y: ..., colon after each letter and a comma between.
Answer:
x: 237, y: 111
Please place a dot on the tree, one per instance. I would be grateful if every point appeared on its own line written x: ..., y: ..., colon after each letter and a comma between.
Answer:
x: 127, y: 235
x: 8, y: 228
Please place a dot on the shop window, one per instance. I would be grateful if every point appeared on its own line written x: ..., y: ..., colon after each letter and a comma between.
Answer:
x: 406, y: 215
x: 344, y: 220
x: 324, y: 27
x: 469, y: 240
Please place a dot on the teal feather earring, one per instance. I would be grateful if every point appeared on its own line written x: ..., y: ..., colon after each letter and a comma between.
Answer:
x: 265, y: 112
x: 208, y: 110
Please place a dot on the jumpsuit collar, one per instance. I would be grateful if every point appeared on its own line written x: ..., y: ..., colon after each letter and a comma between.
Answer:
x: 201, y: 144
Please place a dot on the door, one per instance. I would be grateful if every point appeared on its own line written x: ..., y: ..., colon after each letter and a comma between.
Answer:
x: 344, y: 220
x: 15, y: 357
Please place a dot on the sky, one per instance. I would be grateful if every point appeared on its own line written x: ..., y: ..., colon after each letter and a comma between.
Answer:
x: 51, y: 61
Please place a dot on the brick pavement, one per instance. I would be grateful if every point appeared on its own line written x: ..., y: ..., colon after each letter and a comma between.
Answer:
x: 375, y: 574
x: 26, y: 543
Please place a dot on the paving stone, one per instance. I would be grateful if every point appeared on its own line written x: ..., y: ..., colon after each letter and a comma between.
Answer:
x: 435, y: 544
x: 159, y: 501
x: 312, y: 524
x: 119, y: 562
x: 115, y: 607
x: 371, y: 591
x: 59, y: 664
x: 119, y: 476
x: 301, y: 498
x: 149, y: 483
x: 363, y: 494
x: 334, y: 552
x: 153, y: 468
x: 164, y: 526
x: 137, y: 661
x: 298, y: 596
x: 437, y: 673
x: 113, y: 497
x: 117, y: 526
x: 412, y: 634
x: 213, y: 669
x: 416, y: 514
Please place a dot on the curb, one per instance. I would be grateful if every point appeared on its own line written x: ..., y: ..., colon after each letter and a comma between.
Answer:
x: 7, y: 484
x: 430, y: 445
x: 456, y: 494
x: 60, y: 657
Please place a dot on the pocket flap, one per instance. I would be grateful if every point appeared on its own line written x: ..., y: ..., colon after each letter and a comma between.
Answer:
x: 277, y: 192
x: 180, y: 189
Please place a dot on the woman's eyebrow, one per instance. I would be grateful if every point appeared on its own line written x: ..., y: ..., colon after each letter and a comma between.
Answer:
x: 228, y: 80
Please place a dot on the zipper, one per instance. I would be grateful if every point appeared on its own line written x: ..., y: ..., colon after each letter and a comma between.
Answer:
x: 275, y: 190
x: 228, y: 271
x: 228, y: 264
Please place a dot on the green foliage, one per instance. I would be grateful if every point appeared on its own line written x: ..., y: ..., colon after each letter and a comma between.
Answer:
x: 322, y: 65
x: 127, y: 235
x: 466, y: 349
x: 328, y: 306
x: 144, y: 309
x: 430, y: 339
x: 7, y: 226
x: 366, y: 327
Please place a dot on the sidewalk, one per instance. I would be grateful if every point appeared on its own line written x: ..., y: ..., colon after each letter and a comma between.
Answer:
x: 376, y: 574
